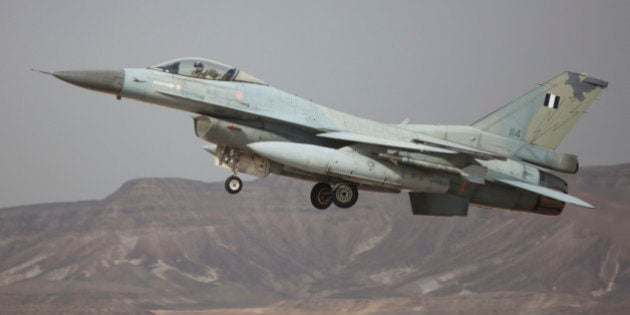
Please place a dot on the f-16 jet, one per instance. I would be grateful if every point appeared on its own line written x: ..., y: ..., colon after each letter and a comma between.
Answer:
x: 503, y: 160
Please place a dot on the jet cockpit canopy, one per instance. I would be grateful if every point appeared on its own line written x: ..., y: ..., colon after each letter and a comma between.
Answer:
x: 206, y: 69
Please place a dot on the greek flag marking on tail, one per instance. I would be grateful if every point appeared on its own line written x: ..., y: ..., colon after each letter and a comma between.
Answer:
x: 538, y: 114
x: 552, y: 100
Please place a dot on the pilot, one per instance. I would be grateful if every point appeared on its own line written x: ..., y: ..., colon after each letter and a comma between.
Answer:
x: 198, y: 72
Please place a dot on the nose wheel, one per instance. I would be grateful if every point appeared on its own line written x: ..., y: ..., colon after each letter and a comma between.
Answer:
x: 233, y: 184
x: 230, y: 157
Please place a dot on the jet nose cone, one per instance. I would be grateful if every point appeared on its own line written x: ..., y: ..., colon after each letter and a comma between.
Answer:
x: 108, y: 81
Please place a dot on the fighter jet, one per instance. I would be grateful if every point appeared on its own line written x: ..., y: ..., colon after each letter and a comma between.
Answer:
x: 503, y: 160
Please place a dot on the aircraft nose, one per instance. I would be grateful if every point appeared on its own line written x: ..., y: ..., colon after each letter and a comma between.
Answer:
x: 108, y: 81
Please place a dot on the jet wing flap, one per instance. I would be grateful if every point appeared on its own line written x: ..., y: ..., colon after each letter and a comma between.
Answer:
x: 548, y: 192
x: 353, y: 137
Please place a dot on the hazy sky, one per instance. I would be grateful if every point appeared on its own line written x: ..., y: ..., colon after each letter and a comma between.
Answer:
x: 432, y: 61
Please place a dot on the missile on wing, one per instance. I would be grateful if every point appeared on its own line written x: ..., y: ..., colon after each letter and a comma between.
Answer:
x: 350, y: 165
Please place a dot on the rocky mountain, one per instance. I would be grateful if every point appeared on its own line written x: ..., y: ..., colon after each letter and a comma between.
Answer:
x: 175, y: 246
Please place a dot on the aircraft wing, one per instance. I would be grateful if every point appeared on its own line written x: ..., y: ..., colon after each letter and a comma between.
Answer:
x: 548, y: 192
x: 423, y: 144
x: 358, y: 138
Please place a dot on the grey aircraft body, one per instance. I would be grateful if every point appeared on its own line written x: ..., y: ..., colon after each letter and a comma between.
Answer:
x: 501, y: 161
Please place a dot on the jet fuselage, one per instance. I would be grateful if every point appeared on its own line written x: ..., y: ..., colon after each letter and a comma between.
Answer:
x: 257, y: 129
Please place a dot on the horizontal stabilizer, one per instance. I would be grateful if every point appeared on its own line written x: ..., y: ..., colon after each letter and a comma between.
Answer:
x: 548, y: 192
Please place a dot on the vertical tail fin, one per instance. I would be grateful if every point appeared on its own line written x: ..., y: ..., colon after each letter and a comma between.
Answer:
x: 547, y: 113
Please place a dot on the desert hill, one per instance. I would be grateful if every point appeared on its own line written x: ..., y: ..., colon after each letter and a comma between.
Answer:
x: 175, y: 244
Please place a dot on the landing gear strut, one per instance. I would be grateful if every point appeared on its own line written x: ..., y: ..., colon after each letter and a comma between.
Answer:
x: 233, y: 184
x: 344, y: 195
x: 229, y: 157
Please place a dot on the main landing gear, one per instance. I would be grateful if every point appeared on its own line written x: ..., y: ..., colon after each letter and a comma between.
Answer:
x: 343, y: 195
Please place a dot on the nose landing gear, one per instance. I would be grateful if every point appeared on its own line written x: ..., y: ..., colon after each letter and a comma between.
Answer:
x: 233, y: 184
x: 230, y: 157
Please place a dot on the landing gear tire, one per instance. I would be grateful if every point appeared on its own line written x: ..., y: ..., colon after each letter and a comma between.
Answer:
x: 233, y: 185
x: 345, y: 195
x: 321, y: 196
